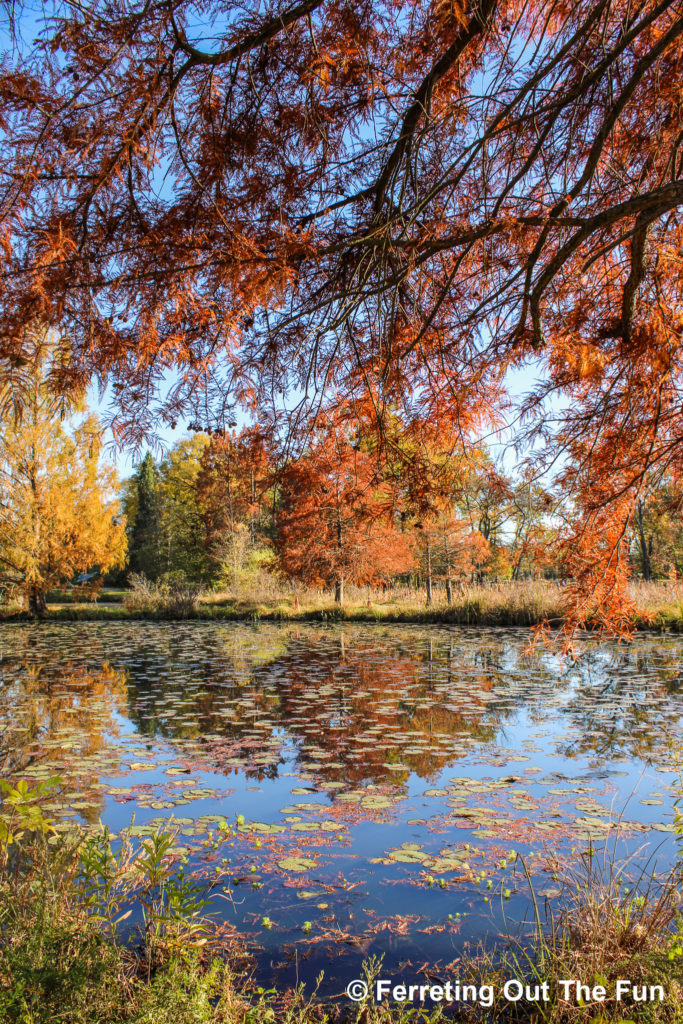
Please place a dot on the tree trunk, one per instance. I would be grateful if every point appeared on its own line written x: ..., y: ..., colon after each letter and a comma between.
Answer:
x: 339, y: 585
x: 449, y: 590
x: 645, y: 564
x: 429, y: 572
x: 37, y: 605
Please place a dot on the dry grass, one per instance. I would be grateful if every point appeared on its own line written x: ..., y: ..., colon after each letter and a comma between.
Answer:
x: 163, y: 599
x: 610, y: 926
x: 525, y: 603
x: 659, y: 605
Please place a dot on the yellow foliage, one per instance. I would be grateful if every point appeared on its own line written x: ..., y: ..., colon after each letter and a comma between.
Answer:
x: 58, y: 510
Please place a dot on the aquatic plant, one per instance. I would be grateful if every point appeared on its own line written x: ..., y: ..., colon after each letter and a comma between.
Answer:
x: 599, y: 930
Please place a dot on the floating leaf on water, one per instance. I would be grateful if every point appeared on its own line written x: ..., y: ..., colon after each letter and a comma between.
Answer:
x: 263, y: 827
x: 376, y: 802
x: 404, y: 856
x: 297, y: 864
x: 444, y: 864
x: 140, y: 830
x: 591, y: 821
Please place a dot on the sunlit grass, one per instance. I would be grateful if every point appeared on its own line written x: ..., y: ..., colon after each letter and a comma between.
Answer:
x: 658, y: 605
x: 605, y: 926
x: 519, y: 603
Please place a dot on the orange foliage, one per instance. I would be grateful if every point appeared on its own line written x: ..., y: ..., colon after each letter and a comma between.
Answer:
x: 336, y: 522
x: 388, y: 204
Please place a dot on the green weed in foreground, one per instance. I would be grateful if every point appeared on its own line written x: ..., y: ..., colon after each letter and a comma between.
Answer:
x: 64, y: 955
x: 67, y: 955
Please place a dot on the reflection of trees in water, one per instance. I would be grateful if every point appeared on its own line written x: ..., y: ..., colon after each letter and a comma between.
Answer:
x: 369, y: 710
x: 208, y: 695
x: 625, y: 702
x: 61, y: 714
x: 41, y: 711
x: 358, y: 702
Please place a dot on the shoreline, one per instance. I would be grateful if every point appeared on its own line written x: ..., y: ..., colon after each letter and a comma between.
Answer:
x: 667, y: 621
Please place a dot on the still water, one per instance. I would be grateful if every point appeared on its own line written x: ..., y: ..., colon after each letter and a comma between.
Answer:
x: 385, y: 784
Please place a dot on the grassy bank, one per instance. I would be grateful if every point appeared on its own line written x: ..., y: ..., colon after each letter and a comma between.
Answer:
x: 658, y: 605
x: 65, y: 956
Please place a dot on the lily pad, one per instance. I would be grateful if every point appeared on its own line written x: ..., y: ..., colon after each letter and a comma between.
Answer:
x: 297, y: 864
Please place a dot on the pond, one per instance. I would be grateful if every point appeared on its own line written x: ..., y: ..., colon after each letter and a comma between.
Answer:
x: 386, y: 784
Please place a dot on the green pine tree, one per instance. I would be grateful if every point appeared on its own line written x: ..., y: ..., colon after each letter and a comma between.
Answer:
x: 145, y: 539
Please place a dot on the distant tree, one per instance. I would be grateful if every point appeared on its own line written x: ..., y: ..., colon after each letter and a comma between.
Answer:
x: 336, y: 522
x: 429, y: 471
x: 465, y: 550
x: 58, y: 513
x: 182, y: 533
x: 145, y: 535
x: 447, y: 549
x: 533, y: 541
x: 485, y: 499
x: 657, y: 547
x: 234, y: 489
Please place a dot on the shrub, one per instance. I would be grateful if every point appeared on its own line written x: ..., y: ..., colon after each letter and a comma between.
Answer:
x: 172, y: 597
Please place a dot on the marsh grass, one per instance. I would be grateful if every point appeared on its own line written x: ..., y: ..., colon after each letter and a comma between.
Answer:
x: 516, y: 604
x: 608, y: 923
x: 658, y: 605
x: 166, y: 599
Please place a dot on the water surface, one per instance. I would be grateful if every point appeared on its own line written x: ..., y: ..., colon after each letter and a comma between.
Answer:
x: 384, y: 782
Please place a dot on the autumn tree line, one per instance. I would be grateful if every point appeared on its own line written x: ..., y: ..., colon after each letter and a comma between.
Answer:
x: 230, y: 508
x: 224, y: 510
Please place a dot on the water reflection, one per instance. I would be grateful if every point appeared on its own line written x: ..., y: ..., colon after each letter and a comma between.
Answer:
x: 386, y: 755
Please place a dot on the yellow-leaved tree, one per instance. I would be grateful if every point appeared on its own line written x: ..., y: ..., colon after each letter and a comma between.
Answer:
x: 59, y: 515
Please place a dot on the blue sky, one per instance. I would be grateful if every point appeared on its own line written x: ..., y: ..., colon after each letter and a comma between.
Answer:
x: 519, y: 381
